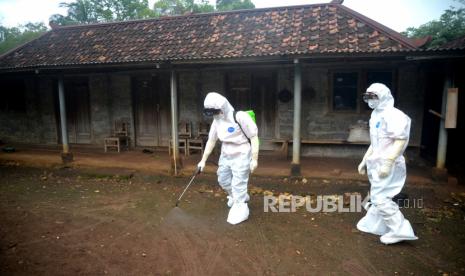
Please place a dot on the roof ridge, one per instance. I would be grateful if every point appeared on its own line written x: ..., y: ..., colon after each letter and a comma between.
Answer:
x: 173, y: 17
x: 390, y: 32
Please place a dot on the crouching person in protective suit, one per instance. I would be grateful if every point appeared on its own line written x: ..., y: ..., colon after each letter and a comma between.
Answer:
x: 385, y: 165
x: 239, y: 152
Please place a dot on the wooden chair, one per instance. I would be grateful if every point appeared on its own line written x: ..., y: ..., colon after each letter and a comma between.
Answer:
x: 184, y: 134
x: 198, y: 143
x: 119, y: 137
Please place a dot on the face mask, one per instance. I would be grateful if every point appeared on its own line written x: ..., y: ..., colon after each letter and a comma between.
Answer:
x: 373, y: 103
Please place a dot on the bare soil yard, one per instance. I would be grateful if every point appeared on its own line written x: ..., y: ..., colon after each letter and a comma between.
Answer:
x: 74, y: 222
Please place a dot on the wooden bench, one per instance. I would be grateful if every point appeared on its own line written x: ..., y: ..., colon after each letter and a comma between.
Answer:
x: 331, y: 142
x: 119, y: 137
x: 198, y: 143
x: 284, y: 146
x: 284, y: 143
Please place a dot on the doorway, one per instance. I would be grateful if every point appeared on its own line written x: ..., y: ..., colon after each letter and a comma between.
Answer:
x: 77, y: 105
x: 151, y: 109
x: 255, y: 91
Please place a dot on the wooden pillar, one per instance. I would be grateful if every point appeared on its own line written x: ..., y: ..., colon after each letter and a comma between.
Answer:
x: 295, y: 165
x: 66, y: 155
x: 442, y: 141
x: 176, y: 163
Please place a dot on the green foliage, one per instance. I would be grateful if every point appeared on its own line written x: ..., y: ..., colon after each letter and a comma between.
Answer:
x: 450, y: 26
x: 121, y: 10
x: 16, y: 36
x: 179, y: 7
x: 228, y: 5
x: 82, y: 11
x: 92, y: 11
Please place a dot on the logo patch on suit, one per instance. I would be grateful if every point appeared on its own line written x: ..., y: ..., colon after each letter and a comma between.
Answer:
x: 230, y: 129
x: 378, y: 124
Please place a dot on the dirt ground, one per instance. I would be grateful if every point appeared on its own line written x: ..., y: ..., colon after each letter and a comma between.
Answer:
x: 75, y: 222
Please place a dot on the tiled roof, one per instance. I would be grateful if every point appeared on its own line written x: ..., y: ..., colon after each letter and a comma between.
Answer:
x: 283, y: 31
x: 458, y: 43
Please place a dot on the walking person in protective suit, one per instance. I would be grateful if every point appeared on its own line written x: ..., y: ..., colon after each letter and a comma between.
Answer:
x: 239, y: 152
x: 385, y: 164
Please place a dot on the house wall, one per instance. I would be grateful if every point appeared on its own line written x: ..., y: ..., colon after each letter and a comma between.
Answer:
x: 188, y: 94
x: 320, y: 123
x: 36, y: 123
x: 410, y: 99
x: 100, y: 111
x: 111, y: 99
x: 192, y: 89
x: 46, y: 106
x: 285, y: 111
x: 121, y: 102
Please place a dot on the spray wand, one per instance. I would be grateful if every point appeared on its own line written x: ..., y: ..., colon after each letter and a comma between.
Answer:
x: 197, y: 171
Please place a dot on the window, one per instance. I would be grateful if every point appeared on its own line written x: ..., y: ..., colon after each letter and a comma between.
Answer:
x: 348, y: 87
x: 345, y: 91
x: 384, y: 77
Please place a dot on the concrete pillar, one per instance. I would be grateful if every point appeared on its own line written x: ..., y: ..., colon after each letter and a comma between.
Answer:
x: 176, y: 163
x: 442, y: 143
x: 295, y: 165
x: 439, y: 173
x: 66, y: 155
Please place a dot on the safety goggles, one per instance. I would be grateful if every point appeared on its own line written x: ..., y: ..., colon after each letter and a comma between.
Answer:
x: 211, y: 112
x: 369, y: 96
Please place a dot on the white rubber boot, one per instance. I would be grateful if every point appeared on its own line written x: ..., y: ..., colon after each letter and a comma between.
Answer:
x: 239, y: 212
x: 231, y: 200
x: 399, y: 227
x: 404, y: 233
x: 372, y: 222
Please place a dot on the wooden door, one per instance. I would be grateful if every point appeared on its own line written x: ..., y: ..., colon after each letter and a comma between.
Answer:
x: 264, y: 104
x: 239, y: 90
x: 255, y: 91
x: 78, y: 111
x: 151, y: 110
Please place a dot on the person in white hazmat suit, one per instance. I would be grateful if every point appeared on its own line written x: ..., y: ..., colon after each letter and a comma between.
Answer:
x: 385, y: 164
x: 239, y: 152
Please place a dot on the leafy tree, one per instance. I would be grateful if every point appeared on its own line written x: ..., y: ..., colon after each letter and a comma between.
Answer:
x: 82, y: 11
x: 203, y: 7
x: 91, y: 11
x: 450, y: 26
x: 179, y: 7
x: 227, y: 5
x: 19, y: 35
x: 121, y: 10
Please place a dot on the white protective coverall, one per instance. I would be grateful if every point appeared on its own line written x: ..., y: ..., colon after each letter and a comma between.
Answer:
x: 238, y: 156
x: 389, y: 135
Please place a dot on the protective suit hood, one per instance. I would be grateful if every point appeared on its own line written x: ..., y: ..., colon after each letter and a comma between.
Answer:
x: 217, y: 101
x: 384, y: 96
